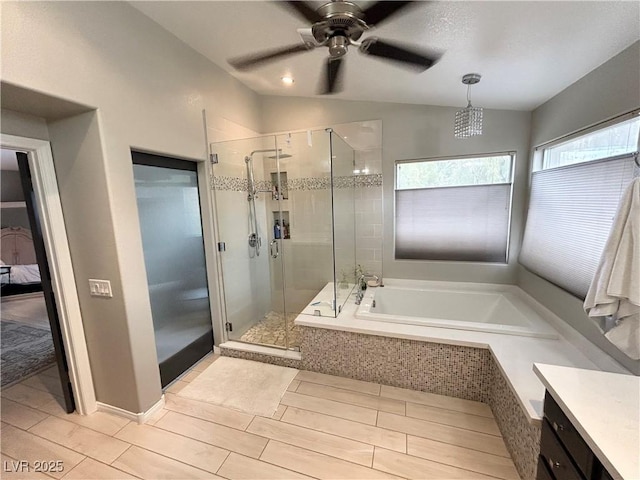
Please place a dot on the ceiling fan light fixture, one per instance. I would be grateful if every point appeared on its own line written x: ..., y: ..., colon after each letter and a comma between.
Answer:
x: 468, y: 121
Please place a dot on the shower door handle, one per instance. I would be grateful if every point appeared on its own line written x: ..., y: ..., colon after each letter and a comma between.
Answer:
x: 277, y: 250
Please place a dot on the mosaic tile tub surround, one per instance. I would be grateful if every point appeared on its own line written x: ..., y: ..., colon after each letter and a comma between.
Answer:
x: 451, y: 370
x: 521, y: 437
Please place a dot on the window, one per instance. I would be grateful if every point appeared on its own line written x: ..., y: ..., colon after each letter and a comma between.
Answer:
x: 453, y: 209
x: 573, y: 201
x: 618, y: 139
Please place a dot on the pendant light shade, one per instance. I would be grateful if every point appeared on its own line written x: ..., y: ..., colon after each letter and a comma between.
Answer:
x: 468, y: 121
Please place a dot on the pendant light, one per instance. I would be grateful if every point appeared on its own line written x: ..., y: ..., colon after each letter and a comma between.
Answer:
x: 468, y: 120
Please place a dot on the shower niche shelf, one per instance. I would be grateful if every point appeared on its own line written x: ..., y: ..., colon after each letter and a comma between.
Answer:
x: 283, y: 222
x: 281, y: 193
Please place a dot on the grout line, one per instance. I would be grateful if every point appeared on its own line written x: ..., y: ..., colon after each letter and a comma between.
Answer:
x: 349, y: 392
x: 448, y: 425
x: 125, y: 451
x: 365, y: 442
x: 459, y: 412
x: 275, y: 464
x: 253, y: 417
x: 335, y: 416
x: 335, y: 401
x: 453, y: 444
x: 191, y: 415
x: 121, y: 428
x: 225, y: 460
x: 35, y: 425
x: 460, y: 467
x: 459, y: 446
x: 342, y: 388
x: 165, y: 456
x: 158, y: 427
x: 331, y: 457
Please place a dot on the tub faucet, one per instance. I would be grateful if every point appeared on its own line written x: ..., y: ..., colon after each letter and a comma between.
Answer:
x: 360, y: 292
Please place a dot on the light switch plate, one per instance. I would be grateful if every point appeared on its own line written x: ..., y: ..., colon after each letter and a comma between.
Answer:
x: 100, y: 288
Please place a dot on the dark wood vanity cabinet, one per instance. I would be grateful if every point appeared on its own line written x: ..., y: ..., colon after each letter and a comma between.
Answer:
x: 564, y: 455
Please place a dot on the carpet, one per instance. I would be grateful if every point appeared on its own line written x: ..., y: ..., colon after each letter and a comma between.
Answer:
x: 25, y: 350
x: 251, y: 387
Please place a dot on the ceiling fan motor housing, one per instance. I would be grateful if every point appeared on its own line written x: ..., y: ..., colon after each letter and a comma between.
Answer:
x: 339, y: 19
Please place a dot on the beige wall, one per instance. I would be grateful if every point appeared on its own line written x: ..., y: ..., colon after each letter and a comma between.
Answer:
x: 417, y: 131
x: 149, y: 90
x: 23, y: 125
x: 609, y: 90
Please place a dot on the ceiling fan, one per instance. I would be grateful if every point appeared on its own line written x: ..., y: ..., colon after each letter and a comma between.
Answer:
x: 337, y: 25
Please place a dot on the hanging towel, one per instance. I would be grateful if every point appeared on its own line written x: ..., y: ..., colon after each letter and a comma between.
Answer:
x: 615, y: 288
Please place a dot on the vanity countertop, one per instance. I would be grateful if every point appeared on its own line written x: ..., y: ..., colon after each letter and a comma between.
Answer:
x: 605, y: 409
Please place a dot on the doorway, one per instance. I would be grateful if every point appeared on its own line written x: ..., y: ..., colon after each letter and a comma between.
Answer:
x: 31, y: 335
x: 168, y: 201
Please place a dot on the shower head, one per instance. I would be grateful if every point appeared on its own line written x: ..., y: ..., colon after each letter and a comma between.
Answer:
x: 280, y: 155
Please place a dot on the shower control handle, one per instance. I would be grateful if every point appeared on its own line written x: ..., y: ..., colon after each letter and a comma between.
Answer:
x: 277, y: 250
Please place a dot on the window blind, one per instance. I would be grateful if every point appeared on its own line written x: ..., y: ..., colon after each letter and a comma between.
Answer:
x: 469, y: 223
x: 571, y: 210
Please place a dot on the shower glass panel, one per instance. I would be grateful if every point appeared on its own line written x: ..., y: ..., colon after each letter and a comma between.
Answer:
x: 171, y: 227
x: 246, y: 255
x: 275, y: 212
x: 344, y: 221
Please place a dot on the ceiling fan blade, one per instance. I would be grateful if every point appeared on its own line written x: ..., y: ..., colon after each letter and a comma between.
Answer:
x: 256, y: 59
x: 380, y: 11
x: 302, y: 9
x: 420, y: 60
x: 333, y: 76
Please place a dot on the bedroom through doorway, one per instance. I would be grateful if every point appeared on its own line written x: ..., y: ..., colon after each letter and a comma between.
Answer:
x: 29, y: 323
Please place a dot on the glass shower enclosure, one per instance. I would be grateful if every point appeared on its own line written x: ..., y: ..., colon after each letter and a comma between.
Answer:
x: 285, y: 221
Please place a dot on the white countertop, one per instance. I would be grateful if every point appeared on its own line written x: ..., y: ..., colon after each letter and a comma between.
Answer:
x: 515, y: 355
x: 605, y: 409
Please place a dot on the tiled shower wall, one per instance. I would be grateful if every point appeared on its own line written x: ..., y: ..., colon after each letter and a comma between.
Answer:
x: 368, y: 211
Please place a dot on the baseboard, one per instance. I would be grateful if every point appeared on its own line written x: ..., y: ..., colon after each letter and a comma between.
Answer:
x: 139, y: 418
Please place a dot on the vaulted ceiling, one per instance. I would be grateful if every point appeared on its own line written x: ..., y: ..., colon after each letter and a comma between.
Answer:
x: 526, y: 51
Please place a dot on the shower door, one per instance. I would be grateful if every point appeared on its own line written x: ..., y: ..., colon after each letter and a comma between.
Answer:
x: 273, y: 215
x: 250, y: 257
x: 171, y: 227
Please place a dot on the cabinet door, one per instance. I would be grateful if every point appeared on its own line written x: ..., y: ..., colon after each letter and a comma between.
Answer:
x: 543, y: 472
x: 573, y: 443
x: 555, y: 456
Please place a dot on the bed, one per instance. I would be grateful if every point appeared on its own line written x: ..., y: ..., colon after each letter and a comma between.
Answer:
x: 19, y: 272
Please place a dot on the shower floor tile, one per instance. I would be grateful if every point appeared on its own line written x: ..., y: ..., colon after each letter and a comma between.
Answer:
x: 271, y: 330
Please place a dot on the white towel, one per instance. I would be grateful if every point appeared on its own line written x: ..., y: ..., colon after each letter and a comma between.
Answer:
x: 615, y: 288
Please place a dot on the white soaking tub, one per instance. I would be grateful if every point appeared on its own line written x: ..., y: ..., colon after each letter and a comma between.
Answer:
x: 479, y: 307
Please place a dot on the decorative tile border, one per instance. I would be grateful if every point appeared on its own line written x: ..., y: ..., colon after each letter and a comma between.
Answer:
x: 451, y: 370
x: 260, y: 357
x: 239, y: 184
x: 234, y: 184
x: 522, y: 438
x: 374, y: 180
x: 308, y: 183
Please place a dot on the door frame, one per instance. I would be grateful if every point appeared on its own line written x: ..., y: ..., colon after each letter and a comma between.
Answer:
x: 63, y: 281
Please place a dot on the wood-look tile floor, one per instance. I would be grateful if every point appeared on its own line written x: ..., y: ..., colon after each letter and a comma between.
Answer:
x: 326, y: 427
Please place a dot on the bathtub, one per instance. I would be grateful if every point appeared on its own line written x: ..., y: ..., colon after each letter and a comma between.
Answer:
x: 488, y: 308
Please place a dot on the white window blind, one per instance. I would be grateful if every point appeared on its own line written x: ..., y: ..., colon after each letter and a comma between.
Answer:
x: 571, y: 210
x: 469, y: 223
